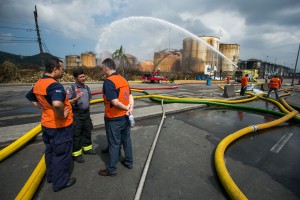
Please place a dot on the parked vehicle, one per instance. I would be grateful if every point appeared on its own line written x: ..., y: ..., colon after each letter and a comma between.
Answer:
x: 252, y: 74
x: 147, y: 77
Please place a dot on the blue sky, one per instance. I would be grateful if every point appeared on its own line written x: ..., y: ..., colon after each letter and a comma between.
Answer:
x: 267, y: 30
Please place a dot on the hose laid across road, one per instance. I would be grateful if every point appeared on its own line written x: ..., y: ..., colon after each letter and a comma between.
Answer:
x: 35, y: 179
x: 10, y: 149
x: 231, y: 188
x: 32, y: 184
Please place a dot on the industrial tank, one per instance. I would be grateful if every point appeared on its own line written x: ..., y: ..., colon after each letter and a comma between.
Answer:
x: 231, y: 51
x: 146, y: 66
x: 196, y: 54
x: 72, y: 61
x: 168, y: 61
x: 88, y: 59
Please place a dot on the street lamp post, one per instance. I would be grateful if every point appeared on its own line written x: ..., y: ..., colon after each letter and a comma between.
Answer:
x: 295, y: 66
x: 265, y: 71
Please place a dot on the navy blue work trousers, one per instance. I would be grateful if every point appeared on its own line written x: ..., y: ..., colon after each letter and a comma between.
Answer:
x: 58, y: 155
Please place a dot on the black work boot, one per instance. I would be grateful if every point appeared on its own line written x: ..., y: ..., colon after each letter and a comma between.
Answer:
x: 90, y: 152
x: 79, y: 159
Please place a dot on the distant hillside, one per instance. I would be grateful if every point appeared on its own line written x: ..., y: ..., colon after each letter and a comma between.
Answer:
x: 22, y: 60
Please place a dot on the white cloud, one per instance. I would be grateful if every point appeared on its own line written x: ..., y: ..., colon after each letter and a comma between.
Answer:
x: 258, y: 30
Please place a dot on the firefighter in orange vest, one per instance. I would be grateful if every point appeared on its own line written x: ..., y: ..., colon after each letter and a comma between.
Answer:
x: 118, y: 102
x: 57, y: 118
x: 244, y: 84
x: 274, y: 84
x: 228, y: 79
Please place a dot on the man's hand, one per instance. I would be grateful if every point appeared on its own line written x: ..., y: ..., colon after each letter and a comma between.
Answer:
x: 66, y: 112
x: 130, y: 105
x: 59, y: 109
x: 79, y: 95
x: 129, y: 109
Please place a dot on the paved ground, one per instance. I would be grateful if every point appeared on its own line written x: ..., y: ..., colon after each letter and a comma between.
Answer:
x: 182, y: 166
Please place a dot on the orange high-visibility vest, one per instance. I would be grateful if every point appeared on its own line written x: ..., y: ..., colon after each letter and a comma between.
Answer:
x: 49, y: 119
x: 244, y: 81
x: 228, y: 78
x: 275, y: 83
x: 122, y: 85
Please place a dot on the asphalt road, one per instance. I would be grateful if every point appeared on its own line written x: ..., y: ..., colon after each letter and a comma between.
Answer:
x: 264, y: 165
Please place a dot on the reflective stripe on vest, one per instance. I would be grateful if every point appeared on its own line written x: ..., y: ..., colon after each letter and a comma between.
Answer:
x: 124, y: 92
x: 49, y: 119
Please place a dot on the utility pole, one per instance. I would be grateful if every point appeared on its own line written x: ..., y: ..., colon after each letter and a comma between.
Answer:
x: 295, y: 66
x: 38, y: 34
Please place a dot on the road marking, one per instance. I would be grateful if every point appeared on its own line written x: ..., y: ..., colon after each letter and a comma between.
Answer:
x: 278, y: 146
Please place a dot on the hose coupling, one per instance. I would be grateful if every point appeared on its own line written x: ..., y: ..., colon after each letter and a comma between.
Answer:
x: 254, y: 127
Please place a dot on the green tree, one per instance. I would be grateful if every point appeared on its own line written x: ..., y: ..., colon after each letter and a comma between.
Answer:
x: 9, y: 72
x: 121, y: 59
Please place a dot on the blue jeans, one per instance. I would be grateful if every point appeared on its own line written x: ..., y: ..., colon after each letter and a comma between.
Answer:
x: 276, y: 92
x: 118, y: 133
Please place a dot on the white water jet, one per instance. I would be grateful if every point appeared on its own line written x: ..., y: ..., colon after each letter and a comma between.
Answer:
x: 129, y: 21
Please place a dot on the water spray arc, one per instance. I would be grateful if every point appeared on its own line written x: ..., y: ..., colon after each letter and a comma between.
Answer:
x: 132, y: 19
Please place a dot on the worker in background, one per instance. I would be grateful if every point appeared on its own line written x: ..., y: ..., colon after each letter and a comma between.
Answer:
x: 266, y: 79
x: 244, y: 84
x: 155, y: 73
x: 228, y: 79
x: 57, y: 117
x: 274, y: 84
x: 79, y: 97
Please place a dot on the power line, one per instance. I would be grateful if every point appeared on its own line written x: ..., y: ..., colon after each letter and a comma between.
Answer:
x: 16, y: 23
x: 26, y: 29
x: 12, y: 36
x: 76, y: 35
x: 9, y: 42
x: 45, y: 46
x: 16, y: 40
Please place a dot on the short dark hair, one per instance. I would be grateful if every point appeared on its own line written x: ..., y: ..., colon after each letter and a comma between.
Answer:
x: 246, y: 75
x: 77, y: 71
x: 109, y: 63
x: 51, y: 63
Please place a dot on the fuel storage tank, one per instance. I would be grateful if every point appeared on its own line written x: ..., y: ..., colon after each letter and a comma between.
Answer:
x: 72, y: 61
x: 168, y: 61
x: 145, y: 66
x: 231, y: 51
x: 197, y: 54
x: 88, y: 59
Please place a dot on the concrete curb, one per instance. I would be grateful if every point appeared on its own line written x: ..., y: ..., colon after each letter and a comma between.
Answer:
x: 12, y: 133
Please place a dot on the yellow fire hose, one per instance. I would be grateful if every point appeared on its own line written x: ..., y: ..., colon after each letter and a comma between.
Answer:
x: 10, y: 149
x: 33, y: 182
x: 231, y: 188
